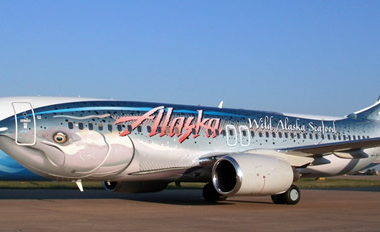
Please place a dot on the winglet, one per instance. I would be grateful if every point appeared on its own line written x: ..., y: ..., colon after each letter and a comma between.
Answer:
x: 220, y: 105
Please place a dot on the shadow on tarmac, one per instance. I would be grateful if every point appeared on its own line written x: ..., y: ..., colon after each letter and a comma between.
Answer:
x: 172, y: 197
x: 176, y: 197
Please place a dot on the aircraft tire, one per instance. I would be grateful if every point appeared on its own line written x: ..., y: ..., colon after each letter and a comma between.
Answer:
x: 210, y: 194
x: 291, y: 197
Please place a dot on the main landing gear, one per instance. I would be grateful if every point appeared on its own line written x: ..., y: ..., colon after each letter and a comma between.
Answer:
x: 291, y: 197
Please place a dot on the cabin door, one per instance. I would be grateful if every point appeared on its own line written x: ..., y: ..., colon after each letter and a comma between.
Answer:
x: 25, y: 124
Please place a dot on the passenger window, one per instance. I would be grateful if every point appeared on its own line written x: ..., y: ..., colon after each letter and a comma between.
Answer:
x: 273, y: 134
x: 231, y: 132
x: 80, y: 126
x: 149, y: 129
x: 328, y: 137
x: 316, y: 136
x: 252, y: 134
x: 129, y: 127
x: 110, y: 127
x: 90, y: 126
x: 70, y: 125
x: 280, y: 134
x: 139, y: 129
x: 353, y: 137
x: 304, y: 135
x: 260, y: 134
x: 298, y: 136
x: 100, y: 126
x: 223, y: 132
x: 267, y: 134
x: 119, y: 128
x: 311, y: 136
x: 286, y: 134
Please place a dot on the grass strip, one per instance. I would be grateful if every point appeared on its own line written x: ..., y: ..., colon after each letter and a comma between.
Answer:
x: 312, y: 183
x: 48, y: 185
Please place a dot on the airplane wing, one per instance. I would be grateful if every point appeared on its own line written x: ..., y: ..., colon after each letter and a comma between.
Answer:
x: 346, y: 146
x: 304, y: 155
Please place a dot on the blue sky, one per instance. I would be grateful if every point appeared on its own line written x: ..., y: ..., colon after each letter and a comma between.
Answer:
x: 311, y: 57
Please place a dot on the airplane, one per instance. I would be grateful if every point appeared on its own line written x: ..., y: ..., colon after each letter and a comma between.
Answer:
x: 136, y: 147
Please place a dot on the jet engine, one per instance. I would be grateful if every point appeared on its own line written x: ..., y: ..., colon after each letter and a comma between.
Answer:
x: 251, y: 174
x: 135, y: 187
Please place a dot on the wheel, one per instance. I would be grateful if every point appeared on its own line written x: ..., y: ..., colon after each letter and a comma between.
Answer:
x: 210, y: 194
x: 293, y: 195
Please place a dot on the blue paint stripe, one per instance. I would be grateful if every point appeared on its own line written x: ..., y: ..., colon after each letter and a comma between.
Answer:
x: 94, y: 109
x: 210, y: 113
x: 225, y: 114
x: 140, y: 109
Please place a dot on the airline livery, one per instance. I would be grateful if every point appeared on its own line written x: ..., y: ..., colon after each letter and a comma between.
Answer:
x: 141, y: 147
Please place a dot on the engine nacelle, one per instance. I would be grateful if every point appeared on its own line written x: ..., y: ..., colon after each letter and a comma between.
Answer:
x: 135, y: 187
x: 251, y: 174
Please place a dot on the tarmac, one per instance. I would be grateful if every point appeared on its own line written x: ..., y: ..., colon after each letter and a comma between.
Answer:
x: 185, y: 210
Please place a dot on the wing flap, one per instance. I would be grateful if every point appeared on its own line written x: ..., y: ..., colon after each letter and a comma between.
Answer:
x: 293, y: 160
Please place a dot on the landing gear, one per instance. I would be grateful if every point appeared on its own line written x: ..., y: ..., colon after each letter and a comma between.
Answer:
x: 291, y: 197
x: 210, y: 194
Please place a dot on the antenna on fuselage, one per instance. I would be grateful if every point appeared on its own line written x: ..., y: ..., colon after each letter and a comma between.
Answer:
x: 79, y: 184
x: 220, y: 106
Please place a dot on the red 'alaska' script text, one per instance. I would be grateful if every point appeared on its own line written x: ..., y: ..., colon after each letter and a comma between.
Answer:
x: 185, y: 125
